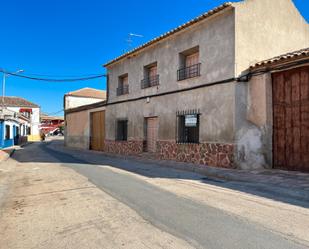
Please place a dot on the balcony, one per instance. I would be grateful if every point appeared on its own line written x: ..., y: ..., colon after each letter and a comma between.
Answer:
x: 121, y: 90
x: 189, y: 72
x: 150, y: 81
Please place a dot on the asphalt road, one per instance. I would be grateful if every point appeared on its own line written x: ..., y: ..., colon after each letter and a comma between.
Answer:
x: 201, y: 225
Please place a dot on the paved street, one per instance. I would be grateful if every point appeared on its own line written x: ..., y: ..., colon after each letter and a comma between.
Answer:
x: 52, y: 199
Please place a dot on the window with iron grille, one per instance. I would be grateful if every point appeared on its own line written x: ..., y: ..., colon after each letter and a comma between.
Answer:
x: 122, y: 130
x: 151, y: 77
x: 123, y: 85
x: 7, y: 132
x: 188, y: 126
x: 189, y: 65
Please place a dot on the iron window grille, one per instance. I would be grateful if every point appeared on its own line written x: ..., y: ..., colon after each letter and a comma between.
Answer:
x: 122, y: 130
x: 189, y: 72
x: 150, y: 81
x: 121, y: 90
x: 188, y: 127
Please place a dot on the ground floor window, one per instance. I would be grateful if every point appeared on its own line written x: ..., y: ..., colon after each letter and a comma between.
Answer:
x: 28, y: 130
x: 7, y: 132
x: 122, y: 130
x: 188, y: 126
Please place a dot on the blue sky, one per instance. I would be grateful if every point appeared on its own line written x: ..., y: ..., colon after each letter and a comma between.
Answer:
x: 74, y: 37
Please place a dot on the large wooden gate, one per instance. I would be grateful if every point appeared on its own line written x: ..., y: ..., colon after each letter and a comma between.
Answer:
x: 97, y: 130
x: 291, y: 119
x: 152, y: 134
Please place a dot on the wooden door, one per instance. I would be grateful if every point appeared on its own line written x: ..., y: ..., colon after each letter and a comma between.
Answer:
x: 97, y: 137
x: 291, y: 119
x: 152, y: 134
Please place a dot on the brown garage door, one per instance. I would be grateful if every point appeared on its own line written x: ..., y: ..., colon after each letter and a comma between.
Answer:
x: 291, y: 119
x: 97, y: 136
x: 152, y: 134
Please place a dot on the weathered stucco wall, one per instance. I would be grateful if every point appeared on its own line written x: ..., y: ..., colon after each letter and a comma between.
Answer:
x: 215, y: 38
x: 216, y: 104
x: 267, y: 28
x: 253, y: 123
x: 77, y: 130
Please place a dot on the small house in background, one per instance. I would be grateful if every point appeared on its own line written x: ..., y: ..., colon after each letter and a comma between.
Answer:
x: 50, y: 124
x: 29, y: 116
x: 84, y: 96
x: 85, y: 119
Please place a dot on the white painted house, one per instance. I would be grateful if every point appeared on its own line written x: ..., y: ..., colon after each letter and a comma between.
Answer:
x: 84, y: 96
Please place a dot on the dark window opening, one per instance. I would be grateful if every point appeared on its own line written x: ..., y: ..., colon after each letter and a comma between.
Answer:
x: 122, y: 130
x: 188, y: 126
x: 7, y: 132
x: 28, y: 130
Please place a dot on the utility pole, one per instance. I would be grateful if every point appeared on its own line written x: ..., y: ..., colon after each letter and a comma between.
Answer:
x: 3, y: 86
x: 3, y: 90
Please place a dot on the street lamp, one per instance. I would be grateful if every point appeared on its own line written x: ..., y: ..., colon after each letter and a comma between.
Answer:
x: 3, y: 85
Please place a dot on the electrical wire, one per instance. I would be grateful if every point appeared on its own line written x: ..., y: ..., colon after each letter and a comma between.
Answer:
x: 54, y: 79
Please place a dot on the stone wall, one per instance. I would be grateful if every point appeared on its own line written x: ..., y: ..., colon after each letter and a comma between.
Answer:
x: 211, y: 154
x: 124, y: 147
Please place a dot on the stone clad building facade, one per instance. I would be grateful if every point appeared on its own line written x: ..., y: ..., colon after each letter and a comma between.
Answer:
x: 184, y: 95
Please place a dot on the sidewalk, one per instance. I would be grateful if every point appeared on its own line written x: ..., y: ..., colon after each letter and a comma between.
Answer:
x: 288, y: 184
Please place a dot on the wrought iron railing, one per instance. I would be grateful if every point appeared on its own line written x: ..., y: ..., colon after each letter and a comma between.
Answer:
x: 150, y: 81
x: 189, y: 72
x: 121, y: 90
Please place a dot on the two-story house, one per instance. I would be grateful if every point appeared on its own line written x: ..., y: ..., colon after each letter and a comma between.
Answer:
x: 183, y: 95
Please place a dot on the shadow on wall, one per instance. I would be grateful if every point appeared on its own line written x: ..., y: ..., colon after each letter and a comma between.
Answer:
x: 148, y: 169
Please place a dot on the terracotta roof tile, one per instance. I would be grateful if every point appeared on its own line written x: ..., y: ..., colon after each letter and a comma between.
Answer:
x: 18, y: 102
x: 282, y: 58
x: 88, y: 92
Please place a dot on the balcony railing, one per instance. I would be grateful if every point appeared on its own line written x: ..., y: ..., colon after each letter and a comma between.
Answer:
x: 121, y: 90
x: 189, y: 72
x: 150, y: 81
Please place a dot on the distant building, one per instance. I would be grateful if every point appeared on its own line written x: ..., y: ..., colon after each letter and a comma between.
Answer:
x: 85, y: 118
x: 84, y: 96
x: 50, y: 123
x: 28, y: 114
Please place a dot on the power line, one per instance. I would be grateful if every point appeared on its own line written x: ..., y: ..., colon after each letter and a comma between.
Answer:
x: 54, y: 79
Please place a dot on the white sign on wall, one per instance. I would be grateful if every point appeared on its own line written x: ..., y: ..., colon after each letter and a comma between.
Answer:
x: 191, y: 120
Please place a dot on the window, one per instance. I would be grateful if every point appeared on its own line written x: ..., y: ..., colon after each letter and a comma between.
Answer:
x: 28, y: 131
x: 123, y: 85
x: 151, y: 77
x: 7, y: 132
x: 122, y: 130
x: 189, y: 64
x: 188, y: 125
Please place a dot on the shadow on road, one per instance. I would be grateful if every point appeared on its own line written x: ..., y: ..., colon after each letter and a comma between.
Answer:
x: 42, y: 153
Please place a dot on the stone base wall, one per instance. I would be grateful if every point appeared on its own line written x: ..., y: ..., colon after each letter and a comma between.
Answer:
x: 211, y: 154
x: 123, y: 147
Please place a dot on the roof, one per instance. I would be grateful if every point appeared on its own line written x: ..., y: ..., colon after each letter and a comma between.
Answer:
x: 88, y: 92
x: 47, y: 117
x: 18, y: 102
x: 299, y: 54
x: 173, y: 31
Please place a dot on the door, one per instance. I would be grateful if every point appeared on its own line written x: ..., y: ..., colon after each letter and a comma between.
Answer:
x: 152, y: 134
x: 97, y: 130
x: 291, y: 119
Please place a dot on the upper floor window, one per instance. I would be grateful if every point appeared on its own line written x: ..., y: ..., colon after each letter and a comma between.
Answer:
x: 189, y: 65
x: 123, y: 85
x: 151, y: 77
